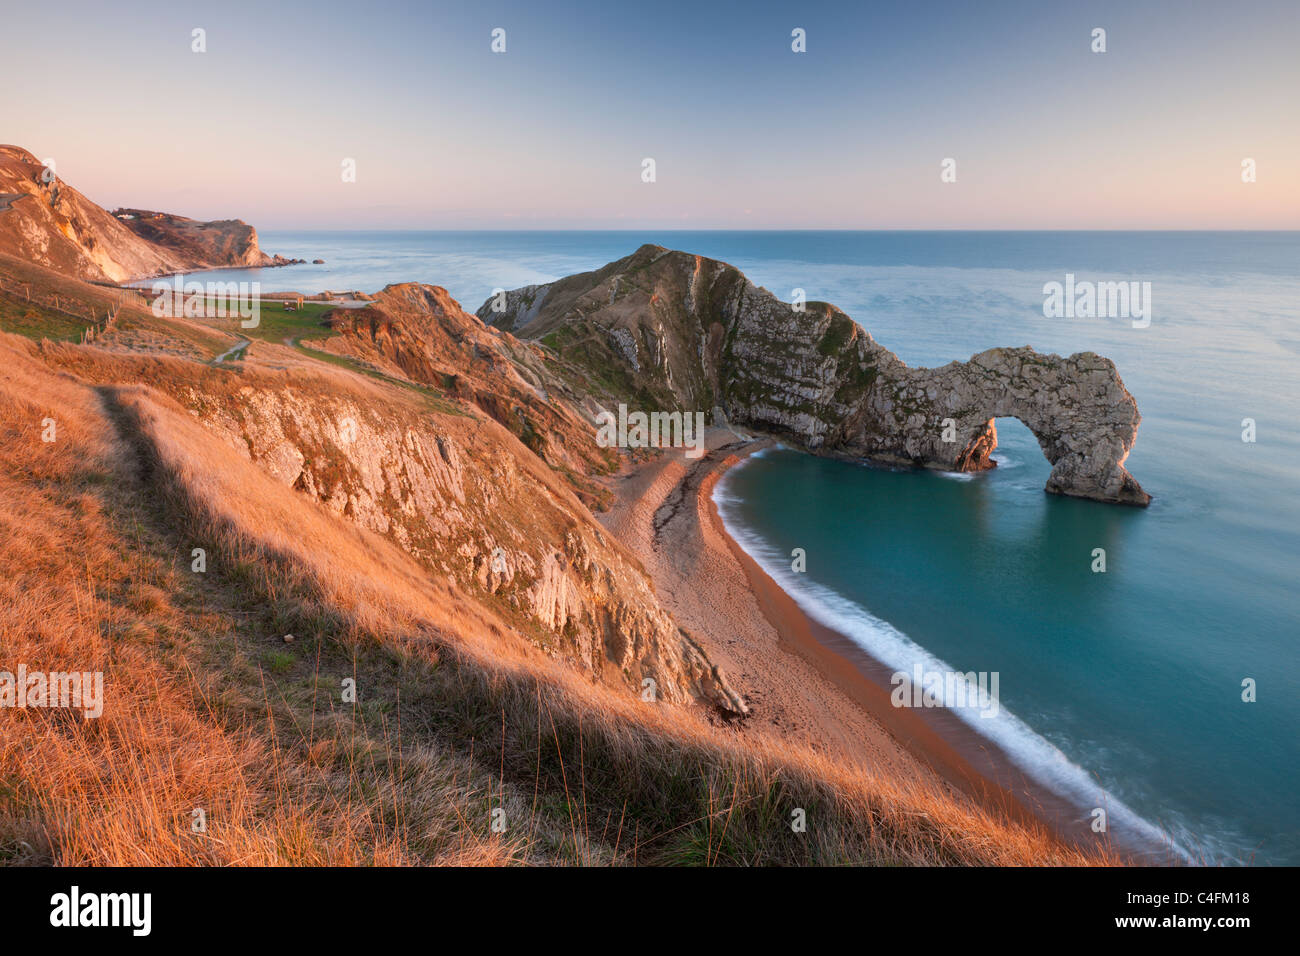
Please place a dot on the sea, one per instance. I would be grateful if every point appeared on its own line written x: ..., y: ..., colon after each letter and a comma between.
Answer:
x: 1164, y: 689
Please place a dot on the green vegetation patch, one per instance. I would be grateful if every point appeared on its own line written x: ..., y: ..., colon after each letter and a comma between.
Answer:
x: 837, y: 336
x: 37, y: 322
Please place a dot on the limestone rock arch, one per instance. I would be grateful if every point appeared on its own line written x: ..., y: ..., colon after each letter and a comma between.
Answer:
x: 1084, y: 418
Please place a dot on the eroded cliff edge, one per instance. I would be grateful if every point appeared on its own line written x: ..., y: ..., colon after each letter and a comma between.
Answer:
x: 661, y: 329
x: 46, y: 221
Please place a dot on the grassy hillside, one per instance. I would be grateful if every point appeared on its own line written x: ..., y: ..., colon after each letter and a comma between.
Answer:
x: 466, y: 743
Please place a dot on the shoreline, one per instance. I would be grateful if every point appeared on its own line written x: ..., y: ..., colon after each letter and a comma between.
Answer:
x: 197, y: 270
x: 811, y: 685
x: 958, y: 753
x: 967, y: 764
x: 805, y: 683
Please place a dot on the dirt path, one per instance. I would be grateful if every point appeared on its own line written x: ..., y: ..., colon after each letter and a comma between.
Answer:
x: 239, y: 346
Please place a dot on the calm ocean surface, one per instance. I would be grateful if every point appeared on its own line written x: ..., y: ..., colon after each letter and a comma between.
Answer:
x: 1122, y: 689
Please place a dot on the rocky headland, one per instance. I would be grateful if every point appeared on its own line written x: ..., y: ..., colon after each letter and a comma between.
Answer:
x: 667, y: 329
x: 46, y: 221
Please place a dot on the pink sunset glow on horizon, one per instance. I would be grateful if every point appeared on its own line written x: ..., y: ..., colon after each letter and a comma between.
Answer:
x: 446, y: 134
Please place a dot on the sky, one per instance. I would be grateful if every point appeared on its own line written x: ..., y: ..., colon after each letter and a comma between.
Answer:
x: 744, y: 132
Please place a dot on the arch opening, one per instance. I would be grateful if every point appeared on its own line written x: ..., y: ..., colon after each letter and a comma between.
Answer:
x: 1008, y: 432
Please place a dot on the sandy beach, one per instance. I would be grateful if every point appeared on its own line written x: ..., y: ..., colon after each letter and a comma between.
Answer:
x: 804, y: 682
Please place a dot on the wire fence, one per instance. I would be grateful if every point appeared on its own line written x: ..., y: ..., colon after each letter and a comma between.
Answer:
x: 98, y: 319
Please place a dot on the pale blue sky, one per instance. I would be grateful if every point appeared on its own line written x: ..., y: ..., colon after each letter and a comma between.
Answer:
x: 745, y: 133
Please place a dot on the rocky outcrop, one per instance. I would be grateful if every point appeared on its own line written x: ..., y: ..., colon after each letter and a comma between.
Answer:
x: 46, y: 221
x: 201, y: 245
x: 1077, y: 407
x: 672, y: 330
x: 474, y: 507
x: 421, y: 333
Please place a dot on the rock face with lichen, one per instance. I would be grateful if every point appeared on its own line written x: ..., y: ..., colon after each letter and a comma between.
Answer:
x: 669, y: 330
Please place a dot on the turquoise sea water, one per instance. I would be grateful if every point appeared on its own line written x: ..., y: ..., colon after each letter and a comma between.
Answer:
x: 1121, y: 689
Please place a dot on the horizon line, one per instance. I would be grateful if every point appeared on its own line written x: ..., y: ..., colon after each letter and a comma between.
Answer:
x: 757, y: 229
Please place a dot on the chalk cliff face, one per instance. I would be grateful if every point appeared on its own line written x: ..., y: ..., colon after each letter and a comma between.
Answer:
x: 667, y: 329
x: 46, y: 221
x: 485, y: 485
x: 473, y: 506
x: 199, y: 245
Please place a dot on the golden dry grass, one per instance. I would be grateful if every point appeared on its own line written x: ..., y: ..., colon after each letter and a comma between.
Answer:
x: 23, y: 284
x: 88, y: 584
x: 456, y: 716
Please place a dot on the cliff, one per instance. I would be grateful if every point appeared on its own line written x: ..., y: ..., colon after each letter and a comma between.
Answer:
x: 46, y: 221
x: 200, y: 245
x: 669, y: 330
x: 477, y: 509
x: 421, y: 333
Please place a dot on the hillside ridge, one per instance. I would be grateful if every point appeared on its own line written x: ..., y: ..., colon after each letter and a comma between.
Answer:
x: 46, y: 221
x: 669, y: 329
